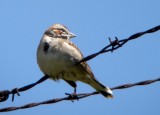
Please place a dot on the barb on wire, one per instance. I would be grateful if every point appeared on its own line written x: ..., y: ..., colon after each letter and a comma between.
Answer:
x: 114, y: 45
x: 4, y: 95
x: 79, y: 96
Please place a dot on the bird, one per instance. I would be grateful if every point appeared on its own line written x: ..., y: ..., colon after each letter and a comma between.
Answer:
x: 57, y: 57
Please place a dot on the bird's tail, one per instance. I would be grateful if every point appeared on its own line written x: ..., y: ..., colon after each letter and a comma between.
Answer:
x: 105, y: 91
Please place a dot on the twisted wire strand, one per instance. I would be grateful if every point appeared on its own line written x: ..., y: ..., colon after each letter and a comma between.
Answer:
x: 79, y: 96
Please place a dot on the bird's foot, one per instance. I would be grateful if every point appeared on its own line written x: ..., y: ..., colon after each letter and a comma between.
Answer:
x: 72, y: 96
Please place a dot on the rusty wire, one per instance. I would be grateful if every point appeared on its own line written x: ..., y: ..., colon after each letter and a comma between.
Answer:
x: 78, y: 96
x: 115, y: 44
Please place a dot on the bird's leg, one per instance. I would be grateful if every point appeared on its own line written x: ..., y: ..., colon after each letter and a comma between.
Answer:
x: 72, y: 96
x: 75, y: 89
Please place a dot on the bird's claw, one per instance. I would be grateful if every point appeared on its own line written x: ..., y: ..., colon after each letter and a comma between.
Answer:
x: 72, y: 96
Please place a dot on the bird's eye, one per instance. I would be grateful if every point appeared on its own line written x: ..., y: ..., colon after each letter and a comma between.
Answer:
x: 59, y: 31
x: 62, y: 30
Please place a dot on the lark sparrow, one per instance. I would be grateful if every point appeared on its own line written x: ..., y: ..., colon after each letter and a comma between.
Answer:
x: 57, y: 57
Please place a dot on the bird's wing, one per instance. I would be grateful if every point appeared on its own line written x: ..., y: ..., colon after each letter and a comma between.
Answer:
x: 83, y: 65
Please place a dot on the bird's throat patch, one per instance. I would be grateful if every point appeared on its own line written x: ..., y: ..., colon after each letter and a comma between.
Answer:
x: 45, y: 47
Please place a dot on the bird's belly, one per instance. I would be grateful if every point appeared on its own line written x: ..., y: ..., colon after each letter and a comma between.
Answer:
x: 57, y: 65
x: 59, y: 68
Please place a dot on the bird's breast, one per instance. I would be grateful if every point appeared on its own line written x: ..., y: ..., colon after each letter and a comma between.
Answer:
x: 54, y: 57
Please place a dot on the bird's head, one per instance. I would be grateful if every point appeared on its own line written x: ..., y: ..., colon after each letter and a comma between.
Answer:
x: 59, y: 31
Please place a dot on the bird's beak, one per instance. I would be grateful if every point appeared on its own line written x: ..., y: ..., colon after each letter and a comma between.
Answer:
x: 71, y: 35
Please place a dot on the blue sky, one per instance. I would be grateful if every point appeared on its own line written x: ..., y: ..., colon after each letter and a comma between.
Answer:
x: 23, y: 23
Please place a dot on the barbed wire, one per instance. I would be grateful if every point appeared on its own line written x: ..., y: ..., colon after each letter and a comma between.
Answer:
x: 114, y: 45
x: 78, y: 96
x: 4, y: 95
